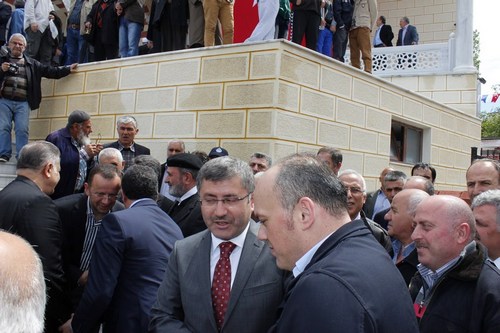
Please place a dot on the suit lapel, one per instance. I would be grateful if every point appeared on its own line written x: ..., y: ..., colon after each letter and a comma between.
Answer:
x: 251, y: 252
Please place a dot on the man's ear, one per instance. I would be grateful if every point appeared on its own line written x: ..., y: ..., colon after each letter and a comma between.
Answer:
x: 48, y: 169
x: 86, y: 189
x: 463, y: 232
x: 303, y: 213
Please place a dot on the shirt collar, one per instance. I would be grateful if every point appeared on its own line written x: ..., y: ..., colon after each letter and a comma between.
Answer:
x: 188, y: 194
x: 302, y: 263
x: 90, y: 214
x: 121, y: 147
x: 238, y: 240
x: 397, y: 246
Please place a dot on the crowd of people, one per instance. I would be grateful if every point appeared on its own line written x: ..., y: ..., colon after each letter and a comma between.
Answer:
x: 107, y: 29
x: 239, y: 246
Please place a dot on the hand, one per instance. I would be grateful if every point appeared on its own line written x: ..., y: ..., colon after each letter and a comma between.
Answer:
x: 5, y: 66
x: 298, y: 2
x: 34, y: 27
x: 82, y: 280
x: 119, y: 9
x: 98, y: 148
x: 333, y: 28
x: 91, y: 150
x: 323, y: 23
x: 150, y: 44
x: 51, y: 17
x: 73, y: 67
x: 88, y: 25
x: 66, y: 327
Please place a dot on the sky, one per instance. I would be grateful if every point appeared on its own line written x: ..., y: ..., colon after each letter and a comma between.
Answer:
x: 486, y: 22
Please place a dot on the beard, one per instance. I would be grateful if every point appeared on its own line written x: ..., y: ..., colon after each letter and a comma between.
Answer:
x: 176, y: 190
x: 82, y: 138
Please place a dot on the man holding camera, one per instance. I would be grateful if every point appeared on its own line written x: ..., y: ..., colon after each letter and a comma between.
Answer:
x: 20, y: 78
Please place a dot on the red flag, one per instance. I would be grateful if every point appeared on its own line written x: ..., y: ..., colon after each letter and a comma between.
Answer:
x: 494, y: 98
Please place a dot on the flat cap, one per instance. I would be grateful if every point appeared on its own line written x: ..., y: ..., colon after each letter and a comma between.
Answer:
x: 78, y: 117
x: 218, y: 152
x: 185, y: 160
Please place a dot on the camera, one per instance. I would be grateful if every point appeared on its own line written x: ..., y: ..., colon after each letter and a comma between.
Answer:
x: 13, y: 68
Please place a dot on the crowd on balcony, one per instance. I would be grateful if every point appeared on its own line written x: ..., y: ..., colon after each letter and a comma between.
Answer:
x: 107, y: 29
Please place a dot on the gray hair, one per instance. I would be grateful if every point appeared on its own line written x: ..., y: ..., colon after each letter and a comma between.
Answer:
x: 414, y: 200
x: 268, y: 158
x: 406, y: 19
x: 18, y: 35
x: 110, y: 152
x: 304, y: 176
x: 126, y: 120
x: 225, y: 168
x: 428, y: 186
x: 22, y: 289
x: 490, y: 197
x: 393, y: 176
x: 149, y: 161
x: 357, y: 174
x: 36, y: 155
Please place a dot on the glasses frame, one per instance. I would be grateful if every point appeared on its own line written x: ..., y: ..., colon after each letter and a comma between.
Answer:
x: 229, y: 201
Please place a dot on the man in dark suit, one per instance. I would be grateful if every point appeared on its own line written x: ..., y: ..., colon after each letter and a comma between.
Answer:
x: 343, y: 280
x: 181, y: 177
x: 408, y: 34
x: 129, y: 261
x: 81, y: 216
x: 188, y: 297
x: 377, y: 201
x: 27, y: 210
x: 394, y: 183
x: 384, y: 35
x: 127, y: 130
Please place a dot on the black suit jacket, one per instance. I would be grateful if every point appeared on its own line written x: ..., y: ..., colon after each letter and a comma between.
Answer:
x: 73, y: 213
x: 386, y: 35
x: 369, y: 205
x: 187, y: 214
x: 139, y: 150
x: 380, y: 219
x: 28, y: 212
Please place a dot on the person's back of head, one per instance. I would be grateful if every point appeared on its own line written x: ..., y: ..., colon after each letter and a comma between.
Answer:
x: 420, y: 183
x: 112, y: 156
x: 22, y: 286
x: 35, y: 155
x: 149, y: 161
x: 140, y: 182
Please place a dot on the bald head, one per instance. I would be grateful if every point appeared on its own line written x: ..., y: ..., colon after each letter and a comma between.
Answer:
x: 22, y: 286
x: 382, y: 176
x: 482, y: 175
x: 420, y: 183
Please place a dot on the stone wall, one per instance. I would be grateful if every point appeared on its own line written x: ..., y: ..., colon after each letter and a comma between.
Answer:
x: 274, y: 97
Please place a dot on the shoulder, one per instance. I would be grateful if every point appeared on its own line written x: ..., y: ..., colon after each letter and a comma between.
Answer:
x: 70, y: 201
x: 112, y: 145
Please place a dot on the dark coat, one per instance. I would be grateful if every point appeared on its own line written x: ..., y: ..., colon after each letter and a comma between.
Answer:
x: 133, y: 12
x: 342, y: 13
x: 73, y: 213
x: 70, y: 162
x: 187, y: 214
x: 34, y: 73
x: 408, y: 266
x: 139, y: 150
x: 380, y: 219
x: 28, y: 212
x: 369, y: 205
x: 5, y: 13
x: 465, y: 299
x: 411, y: 36
x: 350, y: 285
x: 109, y: 31
x: 379, y: 233
x: 386, y: 35
x: 130, y: 258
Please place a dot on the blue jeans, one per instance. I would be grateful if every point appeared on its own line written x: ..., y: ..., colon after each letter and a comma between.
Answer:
x: 325, y: 40
x: 129, y: 35
x: 74, y: 43
x: 20, y: 113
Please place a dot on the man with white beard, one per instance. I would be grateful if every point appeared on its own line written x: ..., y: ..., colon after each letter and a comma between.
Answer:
x: 77, y: 152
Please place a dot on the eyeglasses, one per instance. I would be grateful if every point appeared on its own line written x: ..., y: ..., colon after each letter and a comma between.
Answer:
x: 101, y: 195
x: 354, y: 190
x: 227, y: 201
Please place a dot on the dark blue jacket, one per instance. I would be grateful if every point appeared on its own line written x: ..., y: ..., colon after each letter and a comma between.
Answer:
x: 342, y: 13
x: 70, y: 159
x: 130, y: 258
x: 350, y: 285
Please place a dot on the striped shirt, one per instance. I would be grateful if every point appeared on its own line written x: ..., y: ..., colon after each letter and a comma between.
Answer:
x: 91, y: 229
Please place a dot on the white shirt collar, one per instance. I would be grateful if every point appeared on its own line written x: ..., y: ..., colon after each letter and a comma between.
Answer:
x: 188, y: 194
x: 302, y: 263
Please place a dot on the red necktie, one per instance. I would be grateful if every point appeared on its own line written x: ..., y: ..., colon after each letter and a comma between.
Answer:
x: 221, y: 283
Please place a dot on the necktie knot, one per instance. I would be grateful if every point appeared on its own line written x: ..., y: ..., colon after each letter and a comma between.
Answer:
x: 226, y: 248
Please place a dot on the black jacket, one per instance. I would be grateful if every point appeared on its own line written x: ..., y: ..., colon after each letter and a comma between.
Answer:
x: 34, y: 72
x: 465, y: 299
x: 350, y: 285
x: 342, y: 13
x: 379, y: 233
x: 5, y: 13
x: 386, y: 35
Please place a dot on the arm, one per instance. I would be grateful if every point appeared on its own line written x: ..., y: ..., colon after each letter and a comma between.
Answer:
x: 373, y: 13
x: 29, y: 13
x: 337, y: 14
x: 167, y: 313
x: 104, y: 271
x: 5, y: 13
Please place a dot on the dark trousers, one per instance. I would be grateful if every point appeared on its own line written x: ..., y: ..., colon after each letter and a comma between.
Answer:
x: 340, y: 44
x: 306, y: 22
x: 104, y: 51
